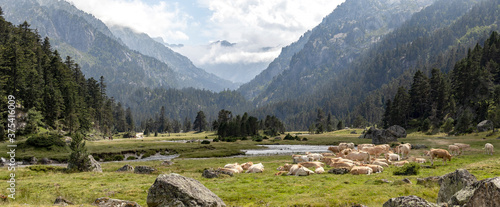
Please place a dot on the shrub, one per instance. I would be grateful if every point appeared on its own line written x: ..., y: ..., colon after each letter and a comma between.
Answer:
x: 289, y: 137
x: 131, y: 158
x: 205, y: 142
x: 408, y: 169
x: 46, y: 168
x: 216, y: 140
x: 45, y: 140
x: 304, y: 139
x: 78, y: 159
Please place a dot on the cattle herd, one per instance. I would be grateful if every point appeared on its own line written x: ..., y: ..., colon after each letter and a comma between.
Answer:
x: 363, y: 159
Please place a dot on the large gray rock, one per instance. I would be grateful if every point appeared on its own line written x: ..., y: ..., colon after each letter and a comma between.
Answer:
x: 408, y: 201
x: 487, y: 193
x: 384, y: 136
x: 109, y: 202
x: 485, y: 125
x: 177, y: 190
x: 144, y: 170
x: 94, y: 166
x: 210, y: 173
x: 453, y: 182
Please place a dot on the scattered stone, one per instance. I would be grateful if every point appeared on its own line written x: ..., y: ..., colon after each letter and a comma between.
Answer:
x: 397, y: 131
x: 94, y: 165
x: 452, y: 183
x: 60, y: 201
x: 406, y: 180
x: 339, y: 171
x: 144, y: 170
x: 487, y: 193
x: 484, y: 126
x: 210, y: 173
x: 408, y: 201
x: 167, y: 163
x: 109, y: 202
x: 126, y: 168
x: 428, y: 181
x: 177, y: 190
x: 384, y: 136
x: 45, y: 161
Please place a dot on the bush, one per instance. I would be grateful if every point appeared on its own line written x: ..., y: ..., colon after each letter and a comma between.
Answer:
x: 216, y: 140
x: 205, y: 142
x: 408, y: 169
x: 304, y: 139
x: 131, y: 158
x: 46, y: 168
x: 45, y: 140
x: 128, y: 135
x: 289, y: 137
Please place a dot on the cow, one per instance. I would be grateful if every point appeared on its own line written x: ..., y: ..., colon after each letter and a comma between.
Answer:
x: 405, y: 150
x: 228, y: 171
x: 462, y: 147
x: 375, y: 151
x: 392, y: 157
x: 454, y: 149
x: 312, y: 164
x: 257, y: 168
x: 357, y: 170
x: 314, y: 156
x: 300, y: 158
x: 488, y: 149
x: 382, y: 164
x: 375, y: 168
x: 400, y: 163
x: 285, y: 167
x: 334, y: 149
x: 346, y: 165
x: 344, y: 152
x: 358, y: 156
x: 330, y: 161
x: 299, y: 170
x: 328, y: 154
x: 246, y: 165
x: 343, y: 146
x: 361, y: 146
x: 319, y: 170
x: 235, y: 166
x: 381, y: 160
x: 439, y: 153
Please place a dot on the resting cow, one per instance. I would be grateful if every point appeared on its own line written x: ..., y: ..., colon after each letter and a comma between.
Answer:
x: 362, y: 146
x: 234, y: 166
x: 334, y: 149
x: 246, y: 165
x: 257, y: 168
x: 358, y: 170
x: 400, y: 163
x: 319, y: 170
x: 392, y: 157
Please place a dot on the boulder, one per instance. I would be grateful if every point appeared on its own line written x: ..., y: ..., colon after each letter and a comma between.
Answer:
x: 126, y: 168
x: 408, y: 201
x: 485, y: 125
x: 406, y: 180
x: 94, y: 166
x: 339, y: 171
x: 379, y: 136
x: 177, y: 190
x: 453, y: 182
x: 60, y: 201
x: 487, y: 193
x: 109, y: 202
x: 45, y: 161
x: 167, y: 163
x: 143, y: 170
x: 397, y: 131
x: 210, y: 173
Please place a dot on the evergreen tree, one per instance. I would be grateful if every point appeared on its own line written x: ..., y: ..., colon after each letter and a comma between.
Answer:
x: 400, y: 108
x: 386, y: 120
x: 419, y: 96
x: 319, y: 121
x: 130, y: 120
x: 78, y: 159
x: 200, y: 123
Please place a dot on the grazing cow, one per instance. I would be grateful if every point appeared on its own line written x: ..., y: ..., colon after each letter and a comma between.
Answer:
x: 234, y: 166
x: 312, y: 164
x: 439, y: 153
x: 314, y: 156
x: 404, y: 149
x: 400, y: 163
x: 334, y: 149
x: 375, y: 151
x: 362, y: 146
x: 246, y: 165
x: 375, y: 168
x: 488, y: 149
x: 382, y: 164
x: 257, y: 168
x: 358, y: 170
x: 454, y: 149
x: 300, y: 158
x: 392, y: 157
x: 319, y: 170
x: 358, y: 156
x: 462, y: 147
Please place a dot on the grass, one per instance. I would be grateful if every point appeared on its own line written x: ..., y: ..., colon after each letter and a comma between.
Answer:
x: 40, y: 185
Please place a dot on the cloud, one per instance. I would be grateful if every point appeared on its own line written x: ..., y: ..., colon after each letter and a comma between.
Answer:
x: 162, y: 19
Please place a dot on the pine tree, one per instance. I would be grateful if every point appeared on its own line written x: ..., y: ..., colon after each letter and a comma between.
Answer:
x: 400, y: 108
x: 78, y: 159
x: 419, y: 96
x: 130, y: 120
x: 200, y: 123
x: 386, y: 120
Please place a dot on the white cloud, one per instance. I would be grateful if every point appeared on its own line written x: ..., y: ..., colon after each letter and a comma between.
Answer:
x: 162, y: 19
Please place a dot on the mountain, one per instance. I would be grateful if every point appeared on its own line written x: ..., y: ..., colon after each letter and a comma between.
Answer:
x: 352, y: 28
x: 433, y: 37
x: 257, y: 85
x: 187, y: 72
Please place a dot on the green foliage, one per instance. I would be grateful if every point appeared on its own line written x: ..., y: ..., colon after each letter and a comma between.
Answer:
x: 45, y: 140
x: 78, y: 159
x: 408, y: 169
x: 448, y: 125
x: 205, y: 142
x: 46, y: 168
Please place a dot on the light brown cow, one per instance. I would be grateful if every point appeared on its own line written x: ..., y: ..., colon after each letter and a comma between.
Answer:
x: 375, y: 151
x: 300, y: 158
x: 344, y: 152
x: 299, y: 170
x: 319, y: 170
x: 462, y: 147
x: 334, y: 149
x: 361, y: 146
x: 454, y: 149
x: 314, y: 156
x: 382, y: 164
x: 343, y: 146
x: 439, y: 153
x: 246, y: 165
x: 392, y: 157
x: 400, y: 163
x: 285, y: 167
x: 257, y: 168
x: 416, y: 159
x: 358, y: 156
x: 328, y: 154
x: 228, y: 170
x: 330, y: 161
x: 312, y: 164
x: 381, y: 160
x: 488, y: 149
x: 375, y: 168
x: 234, y: 166
x: 346, y: 165
x: 358, y: 170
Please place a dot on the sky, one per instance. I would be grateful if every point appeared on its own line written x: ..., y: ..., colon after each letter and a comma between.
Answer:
x: 260, y: 28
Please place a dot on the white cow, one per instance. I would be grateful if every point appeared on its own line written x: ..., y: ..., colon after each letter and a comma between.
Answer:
x: 488, y: 149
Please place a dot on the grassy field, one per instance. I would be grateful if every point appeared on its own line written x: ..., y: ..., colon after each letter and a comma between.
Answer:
x: 41, y: 188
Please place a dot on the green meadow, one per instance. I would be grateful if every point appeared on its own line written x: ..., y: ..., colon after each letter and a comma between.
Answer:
x: 41, y: 185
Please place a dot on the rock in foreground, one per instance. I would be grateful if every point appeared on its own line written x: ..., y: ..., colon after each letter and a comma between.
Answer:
x: 177, y: 190
x: 408, y: 201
